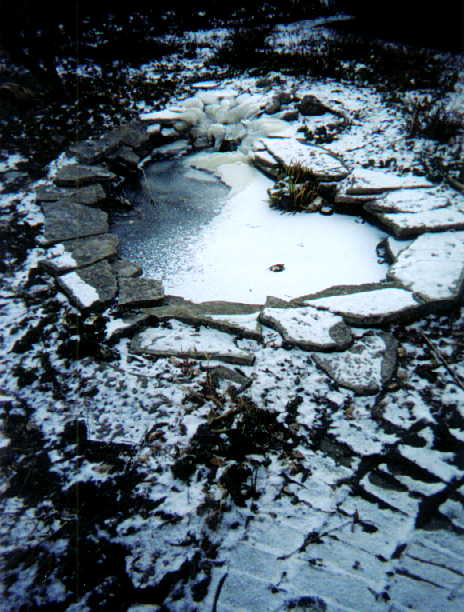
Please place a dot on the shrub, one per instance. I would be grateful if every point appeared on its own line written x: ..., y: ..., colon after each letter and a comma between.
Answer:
x: 432, y: 120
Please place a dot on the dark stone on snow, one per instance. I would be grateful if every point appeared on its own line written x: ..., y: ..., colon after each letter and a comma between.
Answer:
x: 65, y: 221
x: 310, y: 106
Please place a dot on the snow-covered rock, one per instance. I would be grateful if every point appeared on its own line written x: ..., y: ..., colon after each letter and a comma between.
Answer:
x: 366, y: 367
x: 407, y: 225
x: 308, y: 328
x: 433, y: 267
x: 183, y: 341
x: 366, y: 305
x: 77, y: 253
x: 89, y: 287
x: 365, y: 181
x: 416, y: 200
x: 314, y: 159
x: 238, y: 319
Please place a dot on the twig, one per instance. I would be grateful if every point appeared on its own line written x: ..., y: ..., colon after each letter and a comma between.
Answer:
x: 218, y: 592
x: 441, y: 358
x: 454, y: 183
x: 224, y: 415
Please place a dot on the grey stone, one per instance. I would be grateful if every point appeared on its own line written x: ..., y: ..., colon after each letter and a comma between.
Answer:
x: 310, y: 105
x: 123, y: 268
x: 366, y: 305
x: 231, y: 317
x: 315, y: 159
x: 133, y: 135
x: 125, y: 326
x: 366, y: 367
x: 92, y: 195
x: 265, y: 162
x: 79, y: 175
x: 136, y: 136
x: 289, y: 115
x: 89, y: 288
x: 392, y: 247
x: 65, y: 221
x: 275, y: 302
x: 141, y: 292
x: 93, y: 151
x: 409, y: 225
x: 125, y: 156
x: 433, y: 267
x: 190, y: 343
x: 365, y: 181
x: 218, y: 373
x: 78, y: 253
x: 354, y: 200
x: 308, y: 328
x: 409, y: 201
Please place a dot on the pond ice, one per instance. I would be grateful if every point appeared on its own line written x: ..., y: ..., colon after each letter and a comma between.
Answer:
x: 228, y: 256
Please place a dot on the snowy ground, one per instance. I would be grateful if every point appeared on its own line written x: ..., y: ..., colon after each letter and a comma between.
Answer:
x: 145, y: 483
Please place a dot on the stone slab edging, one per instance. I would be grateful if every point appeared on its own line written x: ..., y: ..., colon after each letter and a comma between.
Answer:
x: 426, y: 275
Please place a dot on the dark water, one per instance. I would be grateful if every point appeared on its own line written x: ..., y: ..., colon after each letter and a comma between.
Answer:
x: 172, y: 205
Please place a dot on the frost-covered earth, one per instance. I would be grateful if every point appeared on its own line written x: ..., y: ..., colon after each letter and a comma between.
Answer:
x: 139, y: 482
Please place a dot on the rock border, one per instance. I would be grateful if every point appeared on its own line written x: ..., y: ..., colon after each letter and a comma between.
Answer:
x: 82, y: 256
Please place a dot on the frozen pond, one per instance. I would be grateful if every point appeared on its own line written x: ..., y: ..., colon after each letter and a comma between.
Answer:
x: 210, y: 242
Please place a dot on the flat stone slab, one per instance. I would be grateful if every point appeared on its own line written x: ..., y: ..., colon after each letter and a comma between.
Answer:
x: 308, y: 329
x: 364, y: 181
x: 123, y: 268
x: 125, y: 326
x: 187, y: 342
x: 93, y: 151
x: 137, y: 291
x: 433, y: 267
x: 92, y: 195
x: 409, y: 201
x: 393, y: 247
x: 78, y: 253
x: 366, y: 367
x: 241, y: 325
x: 238, y: 319
x: 166, y: 116
x: 266, y: 163
x: 407, y: 225
x: 79, y: 175
x: 315, y: 159
x: 375, y: 305
x: 66, y: 220
x: 133, y: 134
x: 91, y: 287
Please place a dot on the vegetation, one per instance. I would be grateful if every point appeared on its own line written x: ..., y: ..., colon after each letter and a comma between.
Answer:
x: 347, y: 57
x: 297, y: 190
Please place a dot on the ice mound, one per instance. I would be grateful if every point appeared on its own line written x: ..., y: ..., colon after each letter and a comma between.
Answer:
x: 218, y: 116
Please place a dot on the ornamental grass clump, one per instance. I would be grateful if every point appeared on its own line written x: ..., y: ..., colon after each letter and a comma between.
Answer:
x: 297, y: 190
